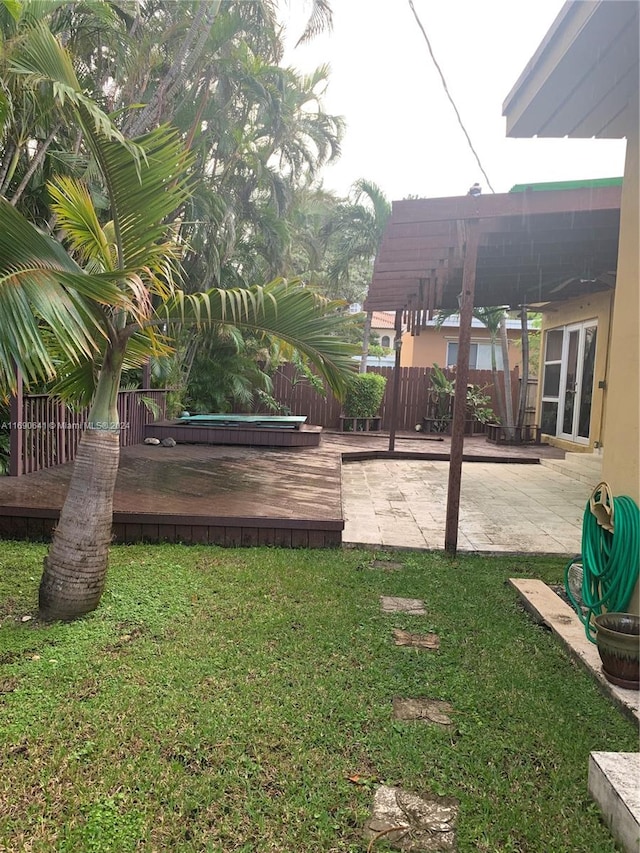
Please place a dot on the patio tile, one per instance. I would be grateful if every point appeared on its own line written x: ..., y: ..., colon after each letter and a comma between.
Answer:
x: 504, y: 508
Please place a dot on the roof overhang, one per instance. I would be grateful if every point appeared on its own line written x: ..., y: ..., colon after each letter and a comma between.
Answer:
x: 534, y: 247
x: 583, y: 79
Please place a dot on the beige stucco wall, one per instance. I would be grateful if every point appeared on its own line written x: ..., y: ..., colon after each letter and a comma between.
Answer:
x: 380, y: 331
x: 430, y: 346
x: 620, y: 465
x: 594, y: 307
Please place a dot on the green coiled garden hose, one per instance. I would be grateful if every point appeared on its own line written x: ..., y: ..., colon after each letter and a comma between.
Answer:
x: 610, y: 556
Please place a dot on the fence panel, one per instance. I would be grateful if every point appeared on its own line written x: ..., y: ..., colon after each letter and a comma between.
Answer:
x: 50, y: 431
x: 301, y: 399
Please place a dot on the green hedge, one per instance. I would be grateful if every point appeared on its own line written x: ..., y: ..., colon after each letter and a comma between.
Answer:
x: 364, y: 395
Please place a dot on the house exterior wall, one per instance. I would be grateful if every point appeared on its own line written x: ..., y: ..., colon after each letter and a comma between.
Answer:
x: 596, y: 306
x: 620, y: 463
x: 534, y: 108
x: 430, y: 346
x: 380, y: 332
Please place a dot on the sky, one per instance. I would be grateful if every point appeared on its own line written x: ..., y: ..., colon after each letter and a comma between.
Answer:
x: 402, y: 132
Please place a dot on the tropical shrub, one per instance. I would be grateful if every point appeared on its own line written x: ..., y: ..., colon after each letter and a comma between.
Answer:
x: 364, y: 395
x: 440, y: 408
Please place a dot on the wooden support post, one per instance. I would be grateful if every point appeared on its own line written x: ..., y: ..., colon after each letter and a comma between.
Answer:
x: 462, y: 376
x: 395, y: 399
x: 146, y: 375
x: 16, y: 434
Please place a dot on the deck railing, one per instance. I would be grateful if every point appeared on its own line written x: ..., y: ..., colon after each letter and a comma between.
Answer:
x: 45, y: 432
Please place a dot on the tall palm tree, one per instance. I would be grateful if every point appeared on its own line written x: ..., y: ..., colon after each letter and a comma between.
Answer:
x: 354, y: 234
x: 115, y: 284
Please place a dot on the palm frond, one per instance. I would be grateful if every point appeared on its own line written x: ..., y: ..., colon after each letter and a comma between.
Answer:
x: 143, y: 197
x: 321, y: 20
x: 41, y: 286
x: 41, y: 59
x: 77, y: 217
x: 289, y: 311
x: 76, y: 381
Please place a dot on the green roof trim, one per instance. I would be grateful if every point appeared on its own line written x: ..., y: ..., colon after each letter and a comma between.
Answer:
x: 568, y: 185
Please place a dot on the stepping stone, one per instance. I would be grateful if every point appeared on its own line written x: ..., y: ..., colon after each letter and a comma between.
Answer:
x: 386, y: 565
x: 412, y: 823
x: 419, y: 641
x: 392, y: 604
x: 433, y: 711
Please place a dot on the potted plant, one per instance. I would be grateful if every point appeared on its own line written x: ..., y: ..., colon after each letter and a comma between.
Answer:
x: 617, y: 636
x: 363, y: 399
x: 439, y: 402
x: 479, y: 409
x: 440, y: 405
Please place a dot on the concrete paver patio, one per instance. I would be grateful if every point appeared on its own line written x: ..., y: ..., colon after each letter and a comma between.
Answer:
x: 504, y: 507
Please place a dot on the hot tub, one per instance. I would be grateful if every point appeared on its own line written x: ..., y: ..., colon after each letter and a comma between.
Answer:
x: 250, y: 430
x: 254, y: 421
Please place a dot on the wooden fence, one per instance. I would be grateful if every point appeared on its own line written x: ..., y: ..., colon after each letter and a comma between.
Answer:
x: 302, y: 399
x: 45, y: 433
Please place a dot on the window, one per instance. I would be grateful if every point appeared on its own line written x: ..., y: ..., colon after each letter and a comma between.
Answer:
x: 551, y: 380
x: 479, y: 355
x: 385, y: 341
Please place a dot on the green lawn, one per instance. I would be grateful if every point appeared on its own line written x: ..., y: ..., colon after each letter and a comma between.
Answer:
x: 219, y: 700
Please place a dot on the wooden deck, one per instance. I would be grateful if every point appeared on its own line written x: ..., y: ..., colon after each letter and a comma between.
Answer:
x: 226, y: 495
x: 221, y: 495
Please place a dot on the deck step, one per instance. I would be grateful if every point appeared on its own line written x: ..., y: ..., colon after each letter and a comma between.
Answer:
x: 613, y: 784
x: 583, y: 467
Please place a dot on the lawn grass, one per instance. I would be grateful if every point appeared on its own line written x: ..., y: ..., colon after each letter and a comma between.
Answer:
x: 219, y: 700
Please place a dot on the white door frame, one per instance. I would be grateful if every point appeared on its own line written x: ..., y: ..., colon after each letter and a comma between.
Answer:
x: 571, y: 385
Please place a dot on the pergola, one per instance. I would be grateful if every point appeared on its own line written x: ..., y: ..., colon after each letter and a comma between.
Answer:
x: 513, y: 249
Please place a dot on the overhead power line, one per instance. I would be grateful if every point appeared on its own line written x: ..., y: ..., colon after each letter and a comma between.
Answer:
x: 448, y: 94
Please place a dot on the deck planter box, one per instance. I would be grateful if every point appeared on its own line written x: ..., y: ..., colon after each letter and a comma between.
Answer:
x: 440, y: 426
x: 529, y: 434
x: 360, y: 424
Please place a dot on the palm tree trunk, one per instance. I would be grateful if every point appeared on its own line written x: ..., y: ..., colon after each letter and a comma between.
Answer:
x: 499, y: 396
x: 76, y: 566
x: 159, y: 109
x: 365, y: 342
x: 37, y: 159
x: 524, y: 382
x: 508, y: 399
x: 11, y: 157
